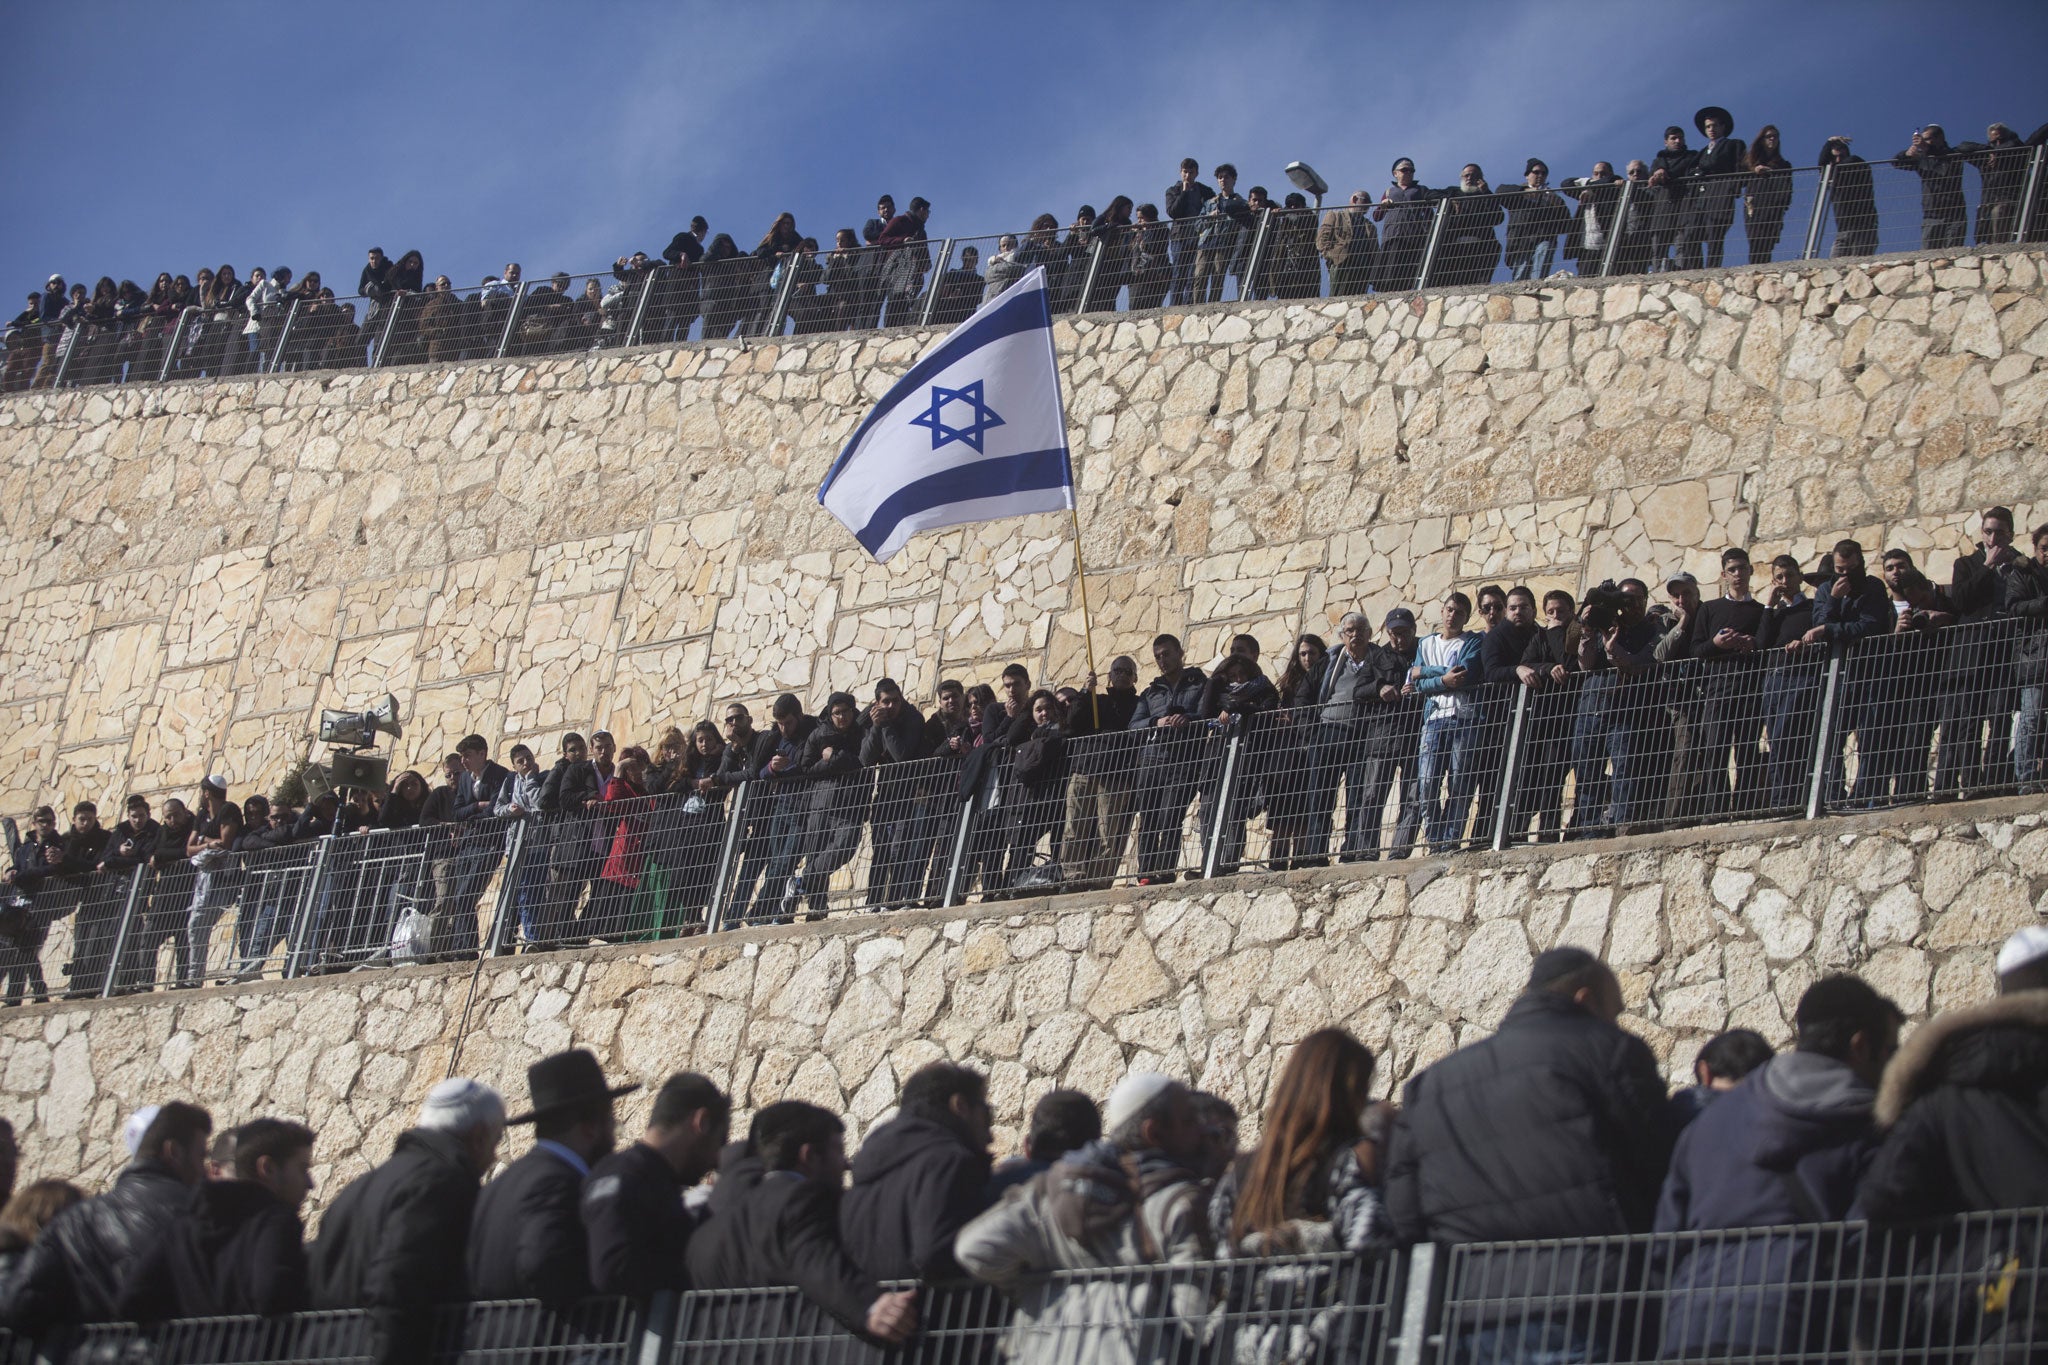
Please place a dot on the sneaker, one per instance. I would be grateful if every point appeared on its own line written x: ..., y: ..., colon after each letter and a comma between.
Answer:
x: 792, y: 896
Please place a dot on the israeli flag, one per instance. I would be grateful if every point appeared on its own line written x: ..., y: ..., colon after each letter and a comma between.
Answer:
x: 975, y: 432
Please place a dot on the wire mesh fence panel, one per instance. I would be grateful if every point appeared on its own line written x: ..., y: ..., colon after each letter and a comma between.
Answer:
x: 326, y: 333
x: 57, y: 933
x: 371, y: 884
x: 241, y: 908
x: 1282, y: 1309
x: 1925, y: 711
x: 592, y: 1332
x: 644, y: 867
x: 1969, y: 1290
x: 1132, y: 805
x: 1343, y: 780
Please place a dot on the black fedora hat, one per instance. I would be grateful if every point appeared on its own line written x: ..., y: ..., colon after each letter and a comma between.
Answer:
x: 566, y: 1080
x: 1699, y: 120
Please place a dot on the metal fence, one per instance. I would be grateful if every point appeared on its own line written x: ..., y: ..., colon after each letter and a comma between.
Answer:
x: 1910, y: 715
x: 1443, y: 238
x: 1971, y: 1289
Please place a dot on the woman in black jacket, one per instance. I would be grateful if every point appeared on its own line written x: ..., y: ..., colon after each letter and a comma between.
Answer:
x: 1236, y: 693
x: 1038, y: 788
x: 1766, y: 195
x: 1285, y: 742
x: 728, y: 287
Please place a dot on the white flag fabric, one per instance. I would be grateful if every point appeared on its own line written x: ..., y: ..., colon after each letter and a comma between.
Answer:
x: 974, y: 432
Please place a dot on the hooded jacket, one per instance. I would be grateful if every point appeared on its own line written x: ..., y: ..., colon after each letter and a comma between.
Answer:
x: 1787, y: 1146
x: 772, y: 1228
x: 1964, y: 1112
x: 916, y: 1183
x: 75, y: 1271
x: 396, y: 1242
x: 241, y: 1252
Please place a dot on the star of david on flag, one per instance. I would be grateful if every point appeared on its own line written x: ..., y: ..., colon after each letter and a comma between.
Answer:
x: 975, y: 431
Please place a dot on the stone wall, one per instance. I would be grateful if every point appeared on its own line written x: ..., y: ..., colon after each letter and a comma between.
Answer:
x: 1708, y: 929
x: 626, y: 539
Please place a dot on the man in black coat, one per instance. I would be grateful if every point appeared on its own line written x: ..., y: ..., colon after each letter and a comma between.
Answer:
x: 920, y: 1177
x: 633, y: 1214
x: 1850, y: 608
x: 571, y: 787
x: 395, y: 1242
x: 1964, y: 1106
x: 775, y: 1221
x: 1169, y: 760
x: 526, y: 1238
x: 242, y: 1252
x: 1788, y: 685
x: 1716, y: 183
x: 75, y: 1271
x: 905, y: 821
x: 1500, y: 661
x: 1555, y: 1127
x: 1977, y: 686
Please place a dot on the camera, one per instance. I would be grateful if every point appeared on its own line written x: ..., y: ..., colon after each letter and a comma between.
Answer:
x: 1603, y: 607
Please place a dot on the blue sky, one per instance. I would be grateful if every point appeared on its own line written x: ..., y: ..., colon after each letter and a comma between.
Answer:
x: 171, y: 136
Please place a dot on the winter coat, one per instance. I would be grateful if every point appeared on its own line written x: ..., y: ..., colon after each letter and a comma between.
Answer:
x: 526, y: 1238
x: 1181, y: 697
x: 1094, y: 1209
x: 916, y: 1183
x: 772, y: 1228
x: 627, y: 810
x: 569, y: 787
x: 1964, y: 1112
x: 1337, y: 1210
x: 1940, y: 168
x: 77, y: 1268
x: 242, y: 1251
x: 1553, y: 1127
x: 1239, y: 700
x: 2026, y: 598
x: 1864, y: 611
x: 635, y: 1224
x: 1788, y: 1145
x: 1534, y: 215
x: 396, y: 1242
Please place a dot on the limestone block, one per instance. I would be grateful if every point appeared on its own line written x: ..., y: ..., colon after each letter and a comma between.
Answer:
x: 221, y: 600
x: 555, y: 680
x: 474, y: 616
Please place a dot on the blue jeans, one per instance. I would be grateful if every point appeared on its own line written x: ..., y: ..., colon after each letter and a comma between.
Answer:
x: 1527, y: 1343
x: 1450, y: 744
x: 1537, y: 263
x: 2026, y: 734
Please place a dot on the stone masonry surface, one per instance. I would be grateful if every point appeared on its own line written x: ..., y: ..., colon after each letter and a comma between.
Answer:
x: 1212, y: 982
x: 628, y: 539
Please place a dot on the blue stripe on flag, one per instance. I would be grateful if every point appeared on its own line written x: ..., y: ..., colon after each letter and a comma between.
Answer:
x: 1027, y: 309
x: 962, y: 483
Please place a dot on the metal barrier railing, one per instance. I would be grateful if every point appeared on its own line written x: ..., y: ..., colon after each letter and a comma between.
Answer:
x: 1968, y: 1289
x: 1442, y: 238
x: 1627, y: 746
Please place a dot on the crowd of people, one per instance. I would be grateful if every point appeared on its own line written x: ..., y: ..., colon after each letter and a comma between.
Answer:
x: 1680, y: 207
x: 1556, y: 1127
x: 1650, y: 714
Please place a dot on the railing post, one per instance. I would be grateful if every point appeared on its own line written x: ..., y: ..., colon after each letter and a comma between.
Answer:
x: 76, y: 340
x: 1820, y: 212
x: 1258, y: 254
x: 1436, y: 235
x: 163, y: 373
x: 2031, y: 193
x: 632, y: 337
x: 1088, y: 276
x: 778, y: 310
x: 721, y: 881
x: 511, y: 321
x: 1617, y: 227
x: 1419, y: 1298
x: 121, y: 934
x: 507, y: 908
x: 304, y: 923
x: 959, y: 852
x: 1503, y: 814
x: 931, y: 292
x: 390, y: 325
x: 658, y: 1328
x: 272, y: 363
x: 1824, y: 737
x: 1216, y: 826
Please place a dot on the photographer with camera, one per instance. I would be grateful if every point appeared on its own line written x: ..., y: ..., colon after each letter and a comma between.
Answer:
x: 1849, y: 607
x: 1617, y: 716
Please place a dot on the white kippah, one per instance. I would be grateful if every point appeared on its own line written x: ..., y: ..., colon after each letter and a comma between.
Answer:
x: 2023, y: 949
x: 459, y: 1104
x: 1130, y: 1097
x: 138, y: 1124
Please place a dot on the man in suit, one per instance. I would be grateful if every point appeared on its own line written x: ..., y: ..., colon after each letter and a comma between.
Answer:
x: 527, y: 1239
x: 1716, y: 185
x: 461, y: 873
x: 1366, y: 732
